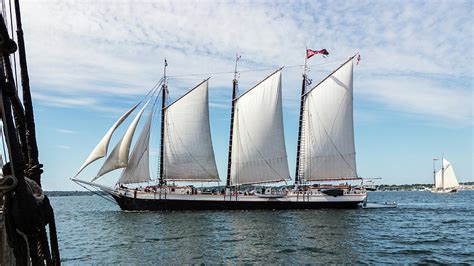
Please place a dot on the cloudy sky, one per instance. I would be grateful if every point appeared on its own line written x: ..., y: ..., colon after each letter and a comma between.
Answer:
x: 89, y: 61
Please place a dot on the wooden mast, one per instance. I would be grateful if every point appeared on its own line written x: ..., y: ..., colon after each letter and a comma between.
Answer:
x: 164, y: 90
x: 26, y: 212
x: 34, y: 166
x: 234, y: 95
x: 303, y: 95
x: 300, y: 122
x: 442, y: 172
x: 300, y: 125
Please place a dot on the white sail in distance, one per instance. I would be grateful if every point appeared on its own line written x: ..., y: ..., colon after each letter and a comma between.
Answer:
x: 188, y: 152
x: 118, y: 158
x: 101, y: 149
x: 259, y: 152
x: 329, y: 150
x: 450, y: 180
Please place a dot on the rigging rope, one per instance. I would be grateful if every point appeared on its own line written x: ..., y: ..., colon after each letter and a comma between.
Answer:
x: 95, y: 192
x: 13, y: 38
x: 248, y: 70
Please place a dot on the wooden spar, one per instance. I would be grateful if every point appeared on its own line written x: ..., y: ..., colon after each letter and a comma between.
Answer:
x: 17, y: 165
x: 34, y: 166
x: 300, y: 121
x: 300, y: 124
x: 182, y: 96
x: 19, y: 112
x: 29, y: 211
x: 8, y: 92
x: 162, y: 133
x: 261, y: 81
x: 234, y: 95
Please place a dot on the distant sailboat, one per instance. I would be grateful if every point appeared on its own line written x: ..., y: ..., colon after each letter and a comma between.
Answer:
x: 445, y: 180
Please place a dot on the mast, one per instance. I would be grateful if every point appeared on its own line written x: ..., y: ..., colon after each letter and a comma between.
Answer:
x: 260, y: 156
x: 434, y: 173
x: 442, y: 171
x: 300, y: 122
x: 164, y: 89
x: 33, y: 162
x: 234, y: 95
x: 332, y: 157
x: 32, y: 246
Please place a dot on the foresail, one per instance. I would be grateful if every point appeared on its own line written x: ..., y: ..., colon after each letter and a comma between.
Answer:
x: 259, y: 152
x: 138, y: 169
x: 119, y: 156
x: 329, y: 151
x: 101, y: 149
x: 450, y: 179
x: 188, y: 151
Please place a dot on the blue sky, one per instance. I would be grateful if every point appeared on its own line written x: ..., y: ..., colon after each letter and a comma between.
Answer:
x: 89, y: 61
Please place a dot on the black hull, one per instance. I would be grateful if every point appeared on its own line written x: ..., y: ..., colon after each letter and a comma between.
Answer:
x: 131, y: 204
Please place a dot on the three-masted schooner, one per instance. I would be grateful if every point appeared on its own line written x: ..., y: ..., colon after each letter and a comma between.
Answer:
x: 257, y: 153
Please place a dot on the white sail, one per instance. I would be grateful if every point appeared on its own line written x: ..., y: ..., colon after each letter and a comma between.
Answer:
x: 450, y: 180
x: 188, y: 152
x: 138, y: 169
x: 258, y: 152
x: 101, y: 149
x: 118, y: 158
x: 329, y: 151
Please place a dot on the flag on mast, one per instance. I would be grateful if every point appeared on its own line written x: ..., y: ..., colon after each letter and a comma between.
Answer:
x: 310, y: 53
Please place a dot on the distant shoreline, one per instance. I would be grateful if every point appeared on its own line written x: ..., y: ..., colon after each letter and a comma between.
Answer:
x: 412, y: 187
x: 72, y: 193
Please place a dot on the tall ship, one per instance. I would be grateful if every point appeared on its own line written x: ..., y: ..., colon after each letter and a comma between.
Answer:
x: 257, y: 158
x: 445, y: 180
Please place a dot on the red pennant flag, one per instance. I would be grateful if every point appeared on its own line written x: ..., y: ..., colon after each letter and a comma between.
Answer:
x: 310, y: 53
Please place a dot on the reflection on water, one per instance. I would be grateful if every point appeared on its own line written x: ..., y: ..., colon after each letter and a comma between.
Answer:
x: 426, y: 228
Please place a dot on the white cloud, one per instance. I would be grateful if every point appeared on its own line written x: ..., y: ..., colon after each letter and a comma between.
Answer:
x: 93, y: 53
x: 65, y: 147
x: 420, y: 96
x: 64, y: 101
x: 66, y: 131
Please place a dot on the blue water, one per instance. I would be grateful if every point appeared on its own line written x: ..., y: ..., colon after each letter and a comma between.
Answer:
x: 426, y: 228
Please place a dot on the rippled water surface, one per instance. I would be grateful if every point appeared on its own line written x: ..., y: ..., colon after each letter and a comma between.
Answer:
x: 426, y: 228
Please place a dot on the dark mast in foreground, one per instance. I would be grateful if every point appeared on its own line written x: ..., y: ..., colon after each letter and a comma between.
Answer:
x: 26, y: 210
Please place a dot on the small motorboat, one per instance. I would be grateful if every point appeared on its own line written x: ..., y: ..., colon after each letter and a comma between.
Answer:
x: 378, y: 205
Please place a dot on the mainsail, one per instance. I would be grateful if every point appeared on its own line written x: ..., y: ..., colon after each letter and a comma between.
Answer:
x: 138, y: 169
x: 101, y: 149
x: 119, y: 156
x: 450, y: 180
x: 259, y: 153
x: 328, y: 152
x: 188, y: 152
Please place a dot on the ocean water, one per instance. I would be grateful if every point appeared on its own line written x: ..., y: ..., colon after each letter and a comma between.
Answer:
x: 426, y: 228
